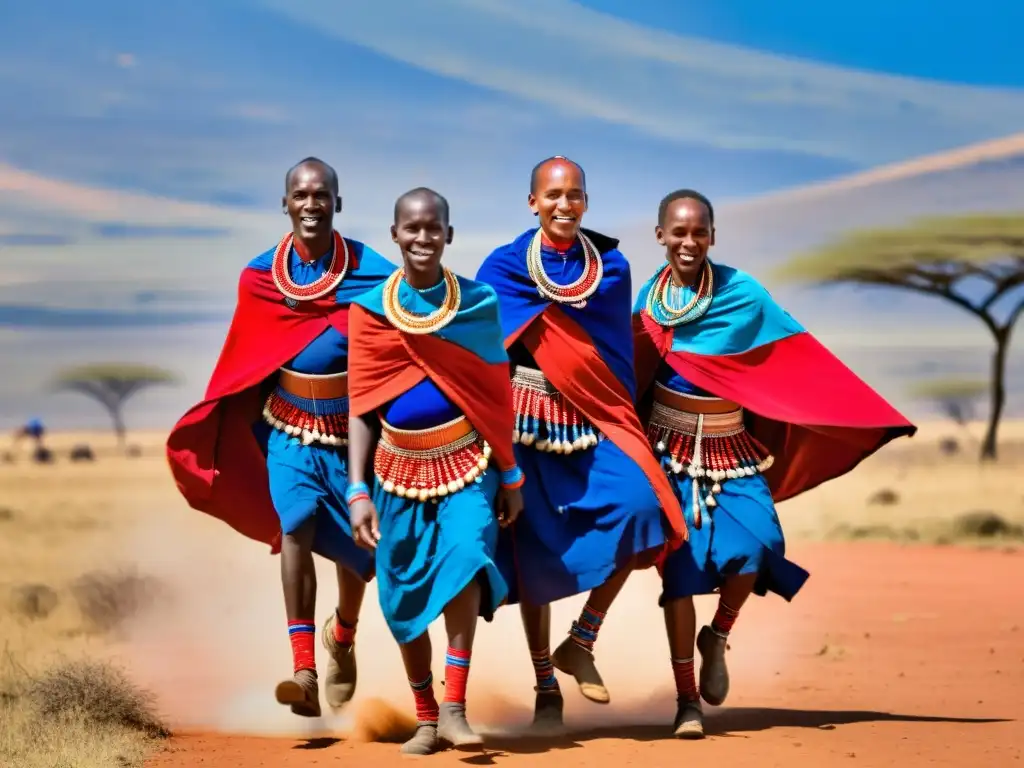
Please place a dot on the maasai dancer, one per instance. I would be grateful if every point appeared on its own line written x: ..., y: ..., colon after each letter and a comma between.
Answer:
x: 745, y: 409
x: 264, y: 450
x: 596, y: 502
x: 430, y: 377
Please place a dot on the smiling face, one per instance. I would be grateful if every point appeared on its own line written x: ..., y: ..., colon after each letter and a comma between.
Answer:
x: 311, y: 202
x: 421, y: 231
x: 559, y: 199
x: 687, y: 234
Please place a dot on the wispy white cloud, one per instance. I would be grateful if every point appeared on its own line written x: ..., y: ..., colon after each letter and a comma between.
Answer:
x: 573, y: 59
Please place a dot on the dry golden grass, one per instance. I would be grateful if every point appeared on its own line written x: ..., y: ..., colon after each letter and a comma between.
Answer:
x: 911, y: 490
x: 70, y: 575
x: 78, y: 714
x: 63, y: 590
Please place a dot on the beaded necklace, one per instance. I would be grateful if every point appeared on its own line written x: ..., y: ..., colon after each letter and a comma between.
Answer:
x: 576, y: 293
x: 666, y: 312
x: 411, y: 322
x: 323, y: 285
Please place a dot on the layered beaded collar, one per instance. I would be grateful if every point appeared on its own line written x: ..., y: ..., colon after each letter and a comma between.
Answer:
x: 323, y: 285
x: 576, y: 293
x: 414, y: 323
x: 668, y: 305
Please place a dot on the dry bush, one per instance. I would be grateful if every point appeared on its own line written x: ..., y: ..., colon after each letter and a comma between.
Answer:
x: 877, y: 532
x: 6, y: 514
x: 80, y: 714
x: 106, y: 599
x: 885, y: 497
x: 33, y: 601
x: 986, y: 525
x: 99, y: 692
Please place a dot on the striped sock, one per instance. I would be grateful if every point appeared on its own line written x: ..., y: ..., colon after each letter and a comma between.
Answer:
x: 456, y: 673
x: 725, y: 617
x: 584, y: 630
x: 686, y: 681
x: 545, y: 672
x: 301, y: 632
x: 426, y: 704
x: 344, y: 634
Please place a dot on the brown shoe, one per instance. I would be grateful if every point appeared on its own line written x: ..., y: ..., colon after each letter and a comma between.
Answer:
x: 547, y: 711
x: 340, y: 680
x: 572, y: 659
x: 453, y: 727
x: 714, y: 675
x: 301, y: 693
x: 689, y: 722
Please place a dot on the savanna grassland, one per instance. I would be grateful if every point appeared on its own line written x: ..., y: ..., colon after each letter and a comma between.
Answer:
x: 73, y: 581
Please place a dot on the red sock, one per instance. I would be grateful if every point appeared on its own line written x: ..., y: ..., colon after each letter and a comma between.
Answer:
x: 456, y: 673
x: 686, y: 681
x: 426, y: 704
x: 725, y: 617
x: 344, y: 634
x: 301, y: 632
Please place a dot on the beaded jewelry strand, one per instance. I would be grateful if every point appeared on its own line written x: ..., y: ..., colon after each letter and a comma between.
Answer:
x: 576, y: 293
x: 320, y: 287
x: 660, y: 306
x: 410, y: 322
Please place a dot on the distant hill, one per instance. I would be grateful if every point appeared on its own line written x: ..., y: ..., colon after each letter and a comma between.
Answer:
x: 886, y: 335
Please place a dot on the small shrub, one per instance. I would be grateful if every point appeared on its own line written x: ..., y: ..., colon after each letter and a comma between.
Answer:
x: 6, y: 514
x: 99, y: 692
x: 82, y: 452
x: 42, y: 455
x: 884, y: 497
x: 106, y: 599
x: 33, y: 601
x: 984, y: 524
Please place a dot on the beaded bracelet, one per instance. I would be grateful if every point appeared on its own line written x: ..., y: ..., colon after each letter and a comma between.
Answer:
x: 360, y: 496
x: 512, y: 478
x: 356, y: 491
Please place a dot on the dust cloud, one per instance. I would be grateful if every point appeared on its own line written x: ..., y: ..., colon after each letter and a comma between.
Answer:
x: 214, y: 652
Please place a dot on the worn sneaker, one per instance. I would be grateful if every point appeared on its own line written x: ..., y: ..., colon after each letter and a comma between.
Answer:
x: 714, y: 675
x: 340, y: 680
x: 453, y: 727
x: 547, y: 711
x: 574, y: 660
x: 689, y: 722
x: 423, y: 742
x: 301, y: 693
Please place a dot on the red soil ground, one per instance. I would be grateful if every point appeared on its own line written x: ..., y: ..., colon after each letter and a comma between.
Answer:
x: 893, y: 656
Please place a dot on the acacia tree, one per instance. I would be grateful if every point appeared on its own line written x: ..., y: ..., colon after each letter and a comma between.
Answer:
x: 111, y: 384
x: 973, y: 262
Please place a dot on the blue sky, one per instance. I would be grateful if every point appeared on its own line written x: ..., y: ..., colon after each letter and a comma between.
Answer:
x: 143, y: 145
x: 976, y: 42
x: 209, y: 101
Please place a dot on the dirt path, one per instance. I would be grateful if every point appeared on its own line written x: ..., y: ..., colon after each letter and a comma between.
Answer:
x: 893, y: 657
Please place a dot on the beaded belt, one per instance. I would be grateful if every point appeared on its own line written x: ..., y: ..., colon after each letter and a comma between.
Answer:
x: 314, y: 408
x: 427, y: 463
x: 545, y: 418
x: 706, y: 437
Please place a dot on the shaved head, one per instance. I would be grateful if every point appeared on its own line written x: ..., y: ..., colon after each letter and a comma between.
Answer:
x: 427, y: 195
x: 332, y: 174
x: 559, y: 159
